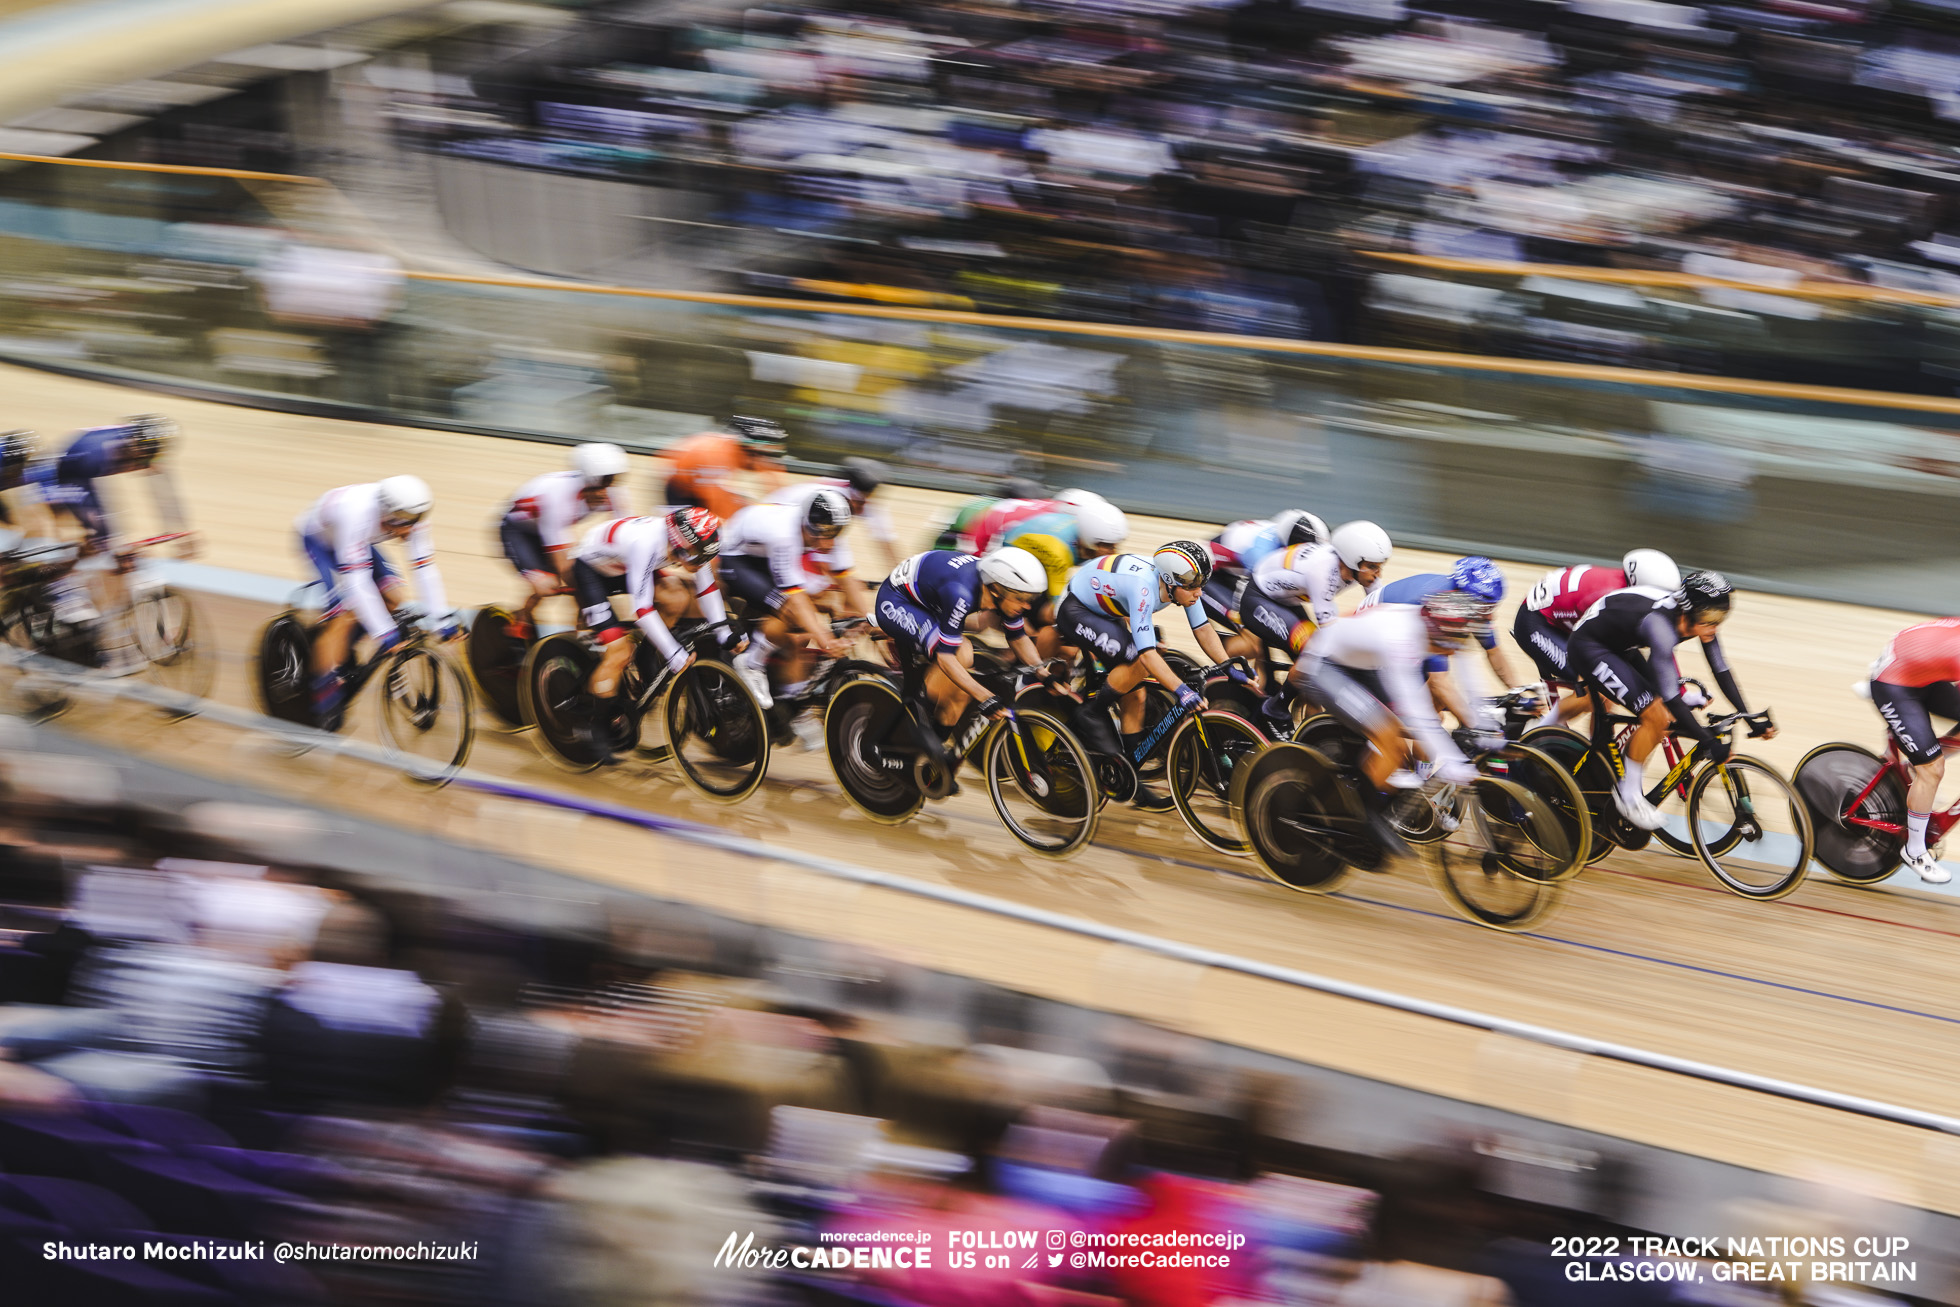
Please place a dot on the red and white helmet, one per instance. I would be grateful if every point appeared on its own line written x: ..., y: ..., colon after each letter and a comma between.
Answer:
x: 693, y: 535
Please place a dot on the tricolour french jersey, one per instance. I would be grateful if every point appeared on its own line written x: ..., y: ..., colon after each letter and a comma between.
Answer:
x: 947, y: 586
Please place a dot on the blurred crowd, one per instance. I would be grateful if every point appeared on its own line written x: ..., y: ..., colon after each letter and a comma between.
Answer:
x: 199, y: 1045
x: 1237, y: 167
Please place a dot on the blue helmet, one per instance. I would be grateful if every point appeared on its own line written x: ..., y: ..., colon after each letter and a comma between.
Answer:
x: 1478, y: 577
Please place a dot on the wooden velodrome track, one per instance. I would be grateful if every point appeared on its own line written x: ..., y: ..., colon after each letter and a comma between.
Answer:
x: 1848, y: 990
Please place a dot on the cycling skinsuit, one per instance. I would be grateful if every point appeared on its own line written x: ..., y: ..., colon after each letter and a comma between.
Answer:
x: 66, y: 482
x: 1269, y: 602
x: 1624, y: 647
x: 1914, y: 679
x: 987, y: 529
x: 923, y: 605
x: 539, y: 520
x: 1367, y: 671
x: 1051, y: 538
x: 701, y: 469
x: 1543, y: 626
x: 764, y: 560
x: 1109, y: 605
x: 339, y: 534
x: 624, y: 556
x: 961, y: 527
x: 871, y: 517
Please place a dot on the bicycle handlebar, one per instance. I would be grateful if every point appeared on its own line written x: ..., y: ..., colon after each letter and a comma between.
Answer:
x: 1759, y: 723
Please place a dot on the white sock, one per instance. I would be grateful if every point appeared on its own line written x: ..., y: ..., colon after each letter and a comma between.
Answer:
x: 1630, y: 783
x: 1916, y: 832
x: 759, y: 650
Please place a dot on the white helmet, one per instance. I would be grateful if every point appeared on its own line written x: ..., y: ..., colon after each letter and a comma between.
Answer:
x: 404, y: 499
x: 1014, y: 569
x: 1296, y: 526
x: 1077, y: 497
x: 1100, y: 526
x: 599, y: 464
x: 1361, y: 542
x: 1651, y: 567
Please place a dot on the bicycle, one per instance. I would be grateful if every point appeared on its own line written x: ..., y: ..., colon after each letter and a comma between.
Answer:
x: 1857, y: 803
x: 160, y: 622
x: 495, y: 658
x: 1502, y: 851
x: 716, y: 734
x: 426, y: 711
x: 885, y: 748
x: 1743, y: 820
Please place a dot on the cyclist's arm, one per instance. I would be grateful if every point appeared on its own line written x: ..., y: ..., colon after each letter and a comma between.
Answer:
x: 1160, y: 671
x: 1718, y: 663
x: 163, y: 493
x: 1657, y: 633
x: 1024, y: 649
x: 428, y: 578
x: 357, y: 575
x: 707, y: 589
x: 949, y: 663
x: 1205, y: 633
x: 1500, y: 664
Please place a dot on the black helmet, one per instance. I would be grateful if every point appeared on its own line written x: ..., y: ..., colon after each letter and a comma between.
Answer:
x: 149, y: 435
x: 864, y: 475
x: 16, y: 451
x: 1704, y: 594
x: 760, y: 435
x: 1022, y: 488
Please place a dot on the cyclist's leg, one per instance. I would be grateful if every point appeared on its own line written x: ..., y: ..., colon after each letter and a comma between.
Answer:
x: 1349, y: 698
x: 1907, y: 710
x: 915, y: 642
x: 526, y: 552
x: 594, y: 593
x: 334, y: 635
x: 1629, y: 682
x: 1105, y: 638
x: 948, y: 700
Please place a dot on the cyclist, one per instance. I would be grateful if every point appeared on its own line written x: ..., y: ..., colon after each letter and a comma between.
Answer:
x: 1367, y: 670
x: 536, y: 530
x: 1544, y: 621
x: 1911, y: 681
x: 1108, y: 610
x: 774, y: 559
x: 960, y: 526
x: 16, y: 453
x: 701, y: 466
x: 1479, y: 578
x: 339, y: 535
x: 1269, y: 609
x: 1624, y: 646
x: 857, y: 480
x: 924, y: 605
x: 626, y: 556
x: 1243, y: 545
x: 1061, y: 541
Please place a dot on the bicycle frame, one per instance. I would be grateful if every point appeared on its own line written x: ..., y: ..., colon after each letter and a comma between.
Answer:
x: 1936, y: 827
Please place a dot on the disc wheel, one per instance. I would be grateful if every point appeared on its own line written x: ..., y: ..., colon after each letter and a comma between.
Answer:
x: 1205, y: 753
x: 1301, y: 822
x: 285, y: 671
x: 1750, y: 828
x: 1828, y: 779
x: 1594, y: 777
x: 1420, y: 816
x: 496, y: 661
x: 1540, y: 774
x: 30, y: 626
x: 171, y: 636
x: 1042, y: 783
x: 553, y: 698
x: 428, y: 715
x: 716, y: 732
x: 859, y: 719
x: 1501, y: 867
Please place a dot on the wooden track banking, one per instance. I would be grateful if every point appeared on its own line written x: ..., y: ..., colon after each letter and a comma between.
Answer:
x: 1853, y: 991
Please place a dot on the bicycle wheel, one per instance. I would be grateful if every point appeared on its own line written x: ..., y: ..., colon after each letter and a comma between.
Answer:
x: 1042, y: 783
x: 427, y: 714
x: 1502, y: 867
x: 1204, y: 753
x: 1574, y: 754
x: 552, y: 697
x: 1828, y: 779
x: 1546, y: 779
x: 28, y: 619
x: 495, y: 659
x: 1750, y: 828
x: 170, y: 635
x: 859, y: 719
x: 1301, y: 823
x: 1421, y: 816
x: 285, y: 671
x: 716, y: 733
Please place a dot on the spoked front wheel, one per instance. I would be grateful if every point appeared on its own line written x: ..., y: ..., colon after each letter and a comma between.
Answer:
x: 496, y: 661
x: 1550, y: 782
x: 1301, y: 822
x: 171, y: 636
x: 1750, y: 828
x: 716, y: 732
x: 1501, y: 868
x: 1205, y: 752
x: 1042, y: 783
x: 427, y: 714
x: 1829, y: 779
x: 863, y: 720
